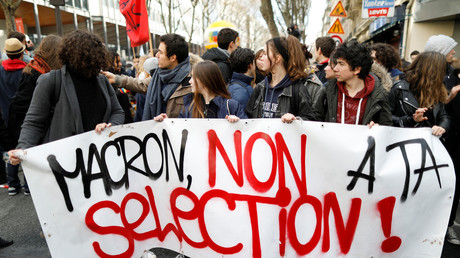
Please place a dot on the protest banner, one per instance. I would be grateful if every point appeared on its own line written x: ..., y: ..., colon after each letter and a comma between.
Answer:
x: 255, y: 188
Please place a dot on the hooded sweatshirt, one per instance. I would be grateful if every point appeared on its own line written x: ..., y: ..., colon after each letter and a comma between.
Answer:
x: 220, y: 57
x: 271, y: 95
x: 349, y: 106
x: 10, y: 77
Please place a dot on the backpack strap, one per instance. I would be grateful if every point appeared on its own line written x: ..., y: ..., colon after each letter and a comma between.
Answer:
x: 56, y: 74
x: 56, y: 82
x: 228, y: 108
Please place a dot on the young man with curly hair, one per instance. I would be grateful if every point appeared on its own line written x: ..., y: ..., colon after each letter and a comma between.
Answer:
x: 355, y: 96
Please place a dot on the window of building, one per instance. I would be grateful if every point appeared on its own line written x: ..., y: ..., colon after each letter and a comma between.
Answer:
x: 81, y: 4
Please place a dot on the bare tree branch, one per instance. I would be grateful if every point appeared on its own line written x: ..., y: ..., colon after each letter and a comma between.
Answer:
x: 267, y: 13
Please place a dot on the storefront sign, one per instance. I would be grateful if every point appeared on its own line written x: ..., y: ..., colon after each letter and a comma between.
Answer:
x: 378, y: 8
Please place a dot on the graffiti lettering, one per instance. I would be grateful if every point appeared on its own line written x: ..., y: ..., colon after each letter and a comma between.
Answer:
x: 119, y: 144
x: 287, y: 220
x: 424, y: 149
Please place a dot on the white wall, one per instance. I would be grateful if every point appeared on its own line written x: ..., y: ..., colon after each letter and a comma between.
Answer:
x: 420, y: 32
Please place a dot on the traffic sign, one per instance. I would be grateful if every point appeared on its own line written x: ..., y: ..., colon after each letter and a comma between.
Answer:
x: 338, y: 11
x: 338, y: 40
x: 336, y: 28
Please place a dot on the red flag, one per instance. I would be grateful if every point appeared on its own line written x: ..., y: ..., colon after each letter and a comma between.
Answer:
x: 137, y: 22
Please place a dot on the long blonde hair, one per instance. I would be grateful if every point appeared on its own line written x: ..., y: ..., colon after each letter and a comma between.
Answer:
x: 141, y: 65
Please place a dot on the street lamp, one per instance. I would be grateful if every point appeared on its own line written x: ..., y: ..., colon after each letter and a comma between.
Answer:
x: 57, y: 14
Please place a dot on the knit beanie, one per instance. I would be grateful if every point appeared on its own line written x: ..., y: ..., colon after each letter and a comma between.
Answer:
x: 440, y: 43
x: 150, y: 63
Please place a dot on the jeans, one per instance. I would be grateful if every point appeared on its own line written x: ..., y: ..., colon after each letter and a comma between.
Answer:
x: 13, y: 177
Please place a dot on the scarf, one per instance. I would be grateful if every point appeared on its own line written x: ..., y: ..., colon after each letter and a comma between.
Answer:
x: 39, y: 64
x: 163, y: 84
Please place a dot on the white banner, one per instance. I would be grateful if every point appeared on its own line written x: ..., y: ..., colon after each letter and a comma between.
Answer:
x: 260, y: 188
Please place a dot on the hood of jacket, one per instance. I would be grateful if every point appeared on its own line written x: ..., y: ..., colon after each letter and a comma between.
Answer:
x: 215, y: 54
x: 13, y: 64
x: 382, y: 73
x: 241, y: 77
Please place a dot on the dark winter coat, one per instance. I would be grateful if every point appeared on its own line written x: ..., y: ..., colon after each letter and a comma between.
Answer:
x: 377, y: 107
x: 43, y: 125
x: 254, y: 108
x: 240, y: 88
x: 10, y: 76
x: 321, y: 73
x: 219, y: 57
x: 20, y: 103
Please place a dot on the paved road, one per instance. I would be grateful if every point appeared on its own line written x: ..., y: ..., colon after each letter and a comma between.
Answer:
x: 19, y: 222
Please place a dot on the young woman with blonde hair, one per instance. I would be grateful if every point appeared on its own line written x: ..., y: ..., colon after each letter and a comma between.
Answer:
x: 141, y: 73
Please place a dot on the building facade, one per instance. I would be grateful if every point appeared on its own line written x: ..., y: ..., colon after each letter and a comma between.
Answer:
x: 413, y: 23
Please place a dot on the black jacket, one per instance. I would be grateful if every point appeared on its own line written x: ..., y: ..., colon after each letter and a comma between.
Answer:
x: 321, y: 73
x: 403, y: 105
x: 254, y: 108
x: 221, y: 59
x: 377, y: 108
x: 20, y: 104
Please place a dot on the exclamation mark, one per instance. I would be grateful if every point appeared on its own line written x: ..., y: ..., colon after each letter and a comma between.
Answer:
x: 386, y: 206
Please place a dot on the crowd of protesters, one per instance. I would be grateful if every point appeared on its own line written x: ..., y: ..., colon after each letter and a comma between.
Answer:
x: 60, y: 91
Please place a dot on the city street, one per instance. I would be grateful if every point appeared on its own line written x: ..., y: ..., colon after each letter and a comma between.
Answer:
x: 19, y: 222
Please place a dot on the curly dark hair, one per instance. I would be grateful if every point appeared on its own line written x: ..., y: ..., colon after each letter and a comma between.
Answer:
x: 16, y: 34
x: 240, y: 60
x: 386, y: 55
x: 84, y: 53
x: 356, y: 55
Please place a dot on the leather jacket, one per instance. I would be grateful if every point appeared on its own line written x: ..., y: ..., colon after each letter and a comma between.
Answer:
x: 403, y: 105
